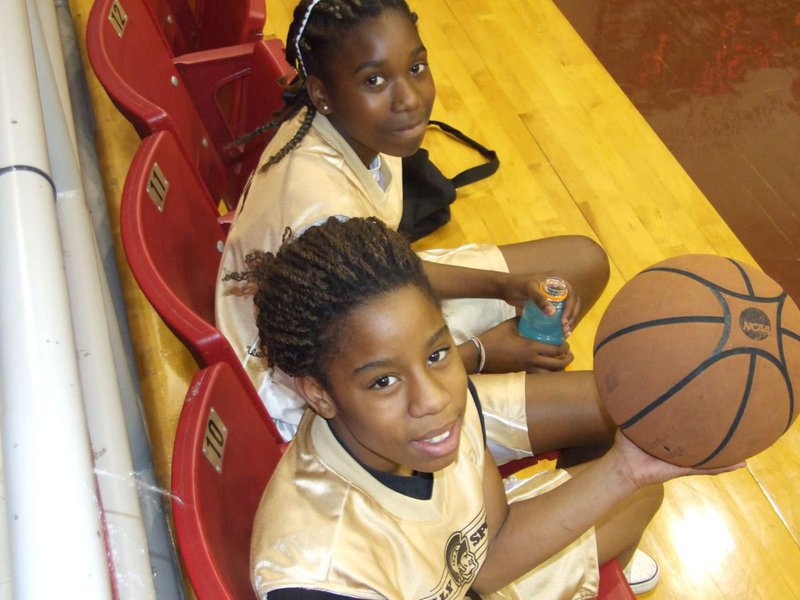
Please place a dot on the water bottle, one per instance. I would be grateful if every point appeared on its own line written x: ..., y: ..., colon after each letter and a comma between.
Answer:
x: 536, y: 325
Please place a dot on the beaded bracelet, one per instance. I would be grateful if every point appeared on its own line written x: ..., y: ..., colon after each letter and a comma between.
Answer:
x: 481, y: 353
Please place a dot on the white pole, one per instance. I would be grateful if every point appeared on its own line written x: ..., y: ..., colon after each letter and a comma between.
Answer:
x: 125, y: 534
x: 55, y: 530
x: 152, y: 500
x: 6, y: 591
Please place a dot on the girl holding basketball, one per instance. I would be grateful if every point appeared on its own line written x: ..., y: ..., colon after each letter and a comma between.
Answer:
x: 388, y: 489
x: 363, y: 96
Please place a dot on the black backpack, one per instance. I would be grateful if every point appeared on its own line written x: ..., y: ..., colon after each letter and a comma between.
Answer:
x: 427, y: 193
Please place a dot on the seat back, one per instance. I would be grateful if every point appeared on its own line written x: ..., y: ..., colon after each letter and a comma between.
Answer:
x: 613, y: 585
x: 235, y: 90
x: 220, y: 22
x: 207, y: 24
x: 135, y: 66
x: 262, y: 100
x: 206, y: 99
x: 173, y: 243
x: 511, y: 467
x: 225, y: 452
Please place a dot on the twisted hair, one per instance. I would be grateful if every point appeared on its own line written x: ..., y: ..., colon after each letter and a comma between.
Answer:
x: 317, y: 30
x: 308, y: 288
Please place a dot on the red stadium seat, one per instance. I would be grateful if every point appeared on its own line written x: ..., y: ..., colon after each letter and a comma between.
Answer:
x: 226, y: 90
x: 208, y: 24
x: 613, y: 585
x: 235, y: 90
x: 225, y: 452
x: 173, y: 244
x: 509, y: 468
x: 134, y: 65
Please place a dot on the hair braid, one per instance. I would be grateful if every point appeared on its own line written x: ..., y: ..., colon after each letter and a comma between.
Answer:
x: 307, y: 290
x: 301, y: 132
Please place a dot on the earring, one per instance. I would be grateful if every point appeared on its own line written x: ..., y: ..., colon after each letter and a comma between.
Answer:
x: 324, y: 108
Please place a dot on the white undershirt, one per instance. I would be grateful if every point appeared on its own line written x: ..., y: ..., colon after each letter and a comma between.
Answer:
x: 375, y: 170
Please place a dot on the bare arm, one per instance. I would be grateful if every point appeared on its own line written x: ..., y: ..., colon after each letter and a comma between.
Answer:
x: 529, y: 532
x: 451, y: 281
x: 506, y: 350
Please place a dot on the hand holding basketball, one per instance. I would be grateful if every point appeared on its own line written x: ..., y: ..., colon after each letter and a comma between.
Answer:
x: 645, y: 469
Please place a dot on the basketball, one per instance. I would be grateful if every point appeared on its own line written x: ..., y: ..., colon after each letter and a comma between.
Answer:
x: 697, y: 360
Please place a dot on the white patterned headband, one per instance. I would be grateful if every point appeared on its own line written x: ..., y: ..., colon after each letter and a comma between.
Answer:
x: 300, y: 35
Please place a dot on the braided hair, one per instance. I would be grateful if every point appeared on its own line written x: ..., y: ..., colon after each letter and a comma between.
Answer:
x: 317, y: 30
x: 308, y: 288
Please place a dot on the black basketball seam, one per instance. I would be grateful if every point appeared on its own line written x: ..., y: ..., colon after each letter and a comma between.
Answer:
x: 746, y: 278
x: 657, y: 323
x: 726, y: 312
x: 713, y: 286
x: 643, y: 412
x: 779, y: 327
x: 791, y: 334
x: 739, y: 413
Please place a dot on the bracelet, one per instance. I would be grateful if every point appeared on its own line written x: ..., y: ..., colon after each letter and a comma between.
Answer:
x: 481, y: 353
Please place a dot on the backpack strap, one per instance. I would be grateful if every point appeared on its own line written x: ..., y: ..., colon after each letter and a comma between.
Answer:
x: 477, y: 172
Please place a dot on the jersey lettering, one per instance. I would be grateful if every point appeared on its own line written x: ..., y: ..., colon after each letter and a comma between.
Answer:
x: 464, y: 553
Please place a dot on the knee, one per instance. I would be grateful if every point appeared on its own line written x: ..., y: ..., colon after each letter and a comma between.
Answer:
x: 593, y: 257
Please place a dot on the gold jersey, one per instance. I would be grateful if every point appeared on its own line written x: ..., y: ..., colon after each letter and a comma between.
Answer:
x: 325, y: 523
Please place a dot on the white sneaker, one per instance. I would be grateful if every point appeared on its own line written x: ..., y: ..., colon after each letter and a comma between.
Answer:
x: 642, y: 572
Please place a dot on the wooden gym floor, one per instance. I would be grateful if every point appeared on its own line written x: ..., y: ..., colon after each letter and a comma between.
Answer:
x: 579, y: 157
x: 719, y: 82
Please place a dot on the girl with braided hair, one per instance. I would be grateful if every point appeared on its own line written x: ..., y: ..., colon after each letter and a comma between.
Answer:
x: 388, y: 490
x: 364, y: 95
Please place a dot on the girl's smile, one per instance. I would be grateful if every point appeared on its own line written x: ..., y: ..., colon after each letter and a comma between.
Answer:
x: 442, y: 444
x: 412, y: 133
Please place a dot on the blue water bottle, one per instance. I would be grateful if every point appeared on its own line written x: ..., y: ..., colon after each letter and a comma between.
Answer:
x: 535, y: 325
